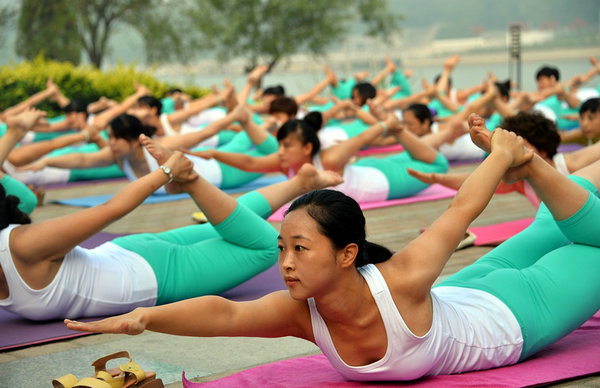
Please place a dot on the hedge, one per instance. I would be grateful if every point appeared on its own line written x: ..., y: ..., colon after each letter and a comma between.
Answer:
x: 19, y: 81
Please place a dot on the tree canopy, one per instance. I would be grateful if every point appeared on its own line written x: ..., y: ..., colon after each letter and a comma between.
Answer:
x: 262, y: 31
x: 265, y: 31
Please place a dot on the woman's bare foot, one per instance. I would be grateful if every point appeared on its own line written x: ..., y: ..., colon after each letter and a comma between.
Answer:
x: 389, y: 64
x: 313, y: 179
x: 20, y: 124
x: 480, y: 135
x: 241, y: 113
x: 331, y: 77
x: 257, y: 73
x: 162, y: 155
x: 158, y: 151
x: 595, y: 63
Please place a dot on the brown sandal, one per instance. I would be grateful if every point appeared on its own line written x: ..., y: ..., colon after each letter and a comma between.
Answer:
x: 127, y: 375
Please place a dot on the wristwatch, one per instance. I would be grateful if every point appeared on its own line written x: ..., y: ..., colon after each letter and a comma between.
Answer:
x: 167, y: 170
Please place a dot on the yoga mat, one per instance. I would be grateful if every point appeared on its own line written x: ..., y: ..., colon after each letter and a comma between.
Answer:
x: 570, y: 147
x: 258, y: 286
x: 381, y: 150
x: 65, y: 185
x: 498, y: 233
x: 161, y: 198
x: 431, y: 193
x: 18, y: 332
x: 573, y: 356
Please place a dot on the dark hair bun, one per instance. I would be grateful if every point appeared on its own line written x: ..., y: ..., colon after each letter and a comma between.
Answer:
x: 314, y: 120
x: 9, y: 210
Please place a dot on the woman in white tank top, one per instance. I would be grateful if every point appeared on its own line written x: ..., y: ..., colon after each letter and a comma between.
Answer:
x: 383, y: 321
x: 368, y: 179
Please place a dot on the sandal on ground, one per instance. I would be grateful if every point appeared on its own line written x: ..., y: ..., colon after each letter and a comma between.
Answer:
x: 199, y: 217
x: 467, y: 241
x: 127, y: 375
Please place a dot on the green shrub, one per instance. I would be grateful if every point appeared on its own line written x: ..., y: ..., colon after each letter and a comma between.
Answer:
x: 19, y: 81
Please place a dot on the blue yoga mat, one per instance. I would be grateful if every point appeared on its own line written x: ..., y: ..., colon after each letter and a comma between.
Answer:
x: 160, y: 198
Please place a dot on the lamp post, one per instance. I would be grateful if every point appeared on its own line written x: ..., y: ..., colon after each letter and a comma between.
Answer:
x: 515, y: 53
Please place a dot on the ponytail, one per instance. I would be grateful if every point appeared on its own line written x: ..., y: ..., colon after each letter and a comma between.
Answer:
x: 9, y: 210
x: 371, y: 253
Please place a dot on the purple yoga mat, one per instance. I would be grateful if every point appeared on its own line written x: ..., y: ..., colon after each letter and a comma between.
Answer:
x: 16, y: 332
x: 573, y: 356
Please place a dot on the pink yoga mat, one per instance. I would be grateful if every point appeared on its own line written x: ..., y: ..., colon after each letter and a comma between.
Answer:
x: 381, y: 150
x: 498, y: 233
x: 573, y: 356
x: 431, y: 193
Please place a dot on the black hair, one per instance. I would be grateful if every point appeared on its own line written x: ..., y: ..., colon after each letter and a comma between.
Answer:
x: 76, y: 105
x: 129, y: 127
x: 152, y: 102
x: 303, y: 130
x: 366, y: 91
x: 548, y: 71
x: 284, y: 104
x: 341, y: 220
x: 437, y: 78
x: 314, y: 119
x: 172, y: 91
x: 534, y: 127
x: 421, y: 112
x: 592, y: 105
x: 503, y: 88
x: 9, y: 210
x: 277, y: 90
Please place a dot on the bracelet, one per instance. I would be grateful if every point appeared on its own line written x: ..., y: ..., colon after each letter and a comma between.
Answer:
x: 86, y: 135
x: 167, y: 170
x: 385, y: 128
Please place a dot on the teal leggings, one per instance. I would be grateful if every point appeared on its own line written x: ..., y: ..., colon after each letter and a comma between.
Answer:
x: 394, y: 167
x: 204, y: 259
x: 547, y: 275
x: 27, y: 199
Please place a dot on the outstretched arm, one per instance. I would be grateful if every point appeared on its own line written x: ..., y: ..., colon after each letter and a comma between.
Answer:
x: 274, y: 315
x: 198, y: 105
x: 305, y: 97
x: 421, y: 261
x: 28, y: 103
x: 102, y: 120
x: 55, y: 237
x: 268, y: 163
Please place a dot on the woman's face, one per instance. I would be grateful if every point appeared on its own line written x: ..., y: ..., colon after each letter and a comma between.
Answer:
x: 144, y: 113
x: 412, y: 123
x: 590, y: 124
x: 292, y: 153
x: 120, y: 147
x: 307, y: 258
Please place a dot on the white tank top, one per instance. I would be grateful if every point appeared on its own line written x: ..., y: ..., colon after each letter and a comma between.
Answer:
x: 560, y: 163
x: 211, y: 142
x: 330, y: 136
x: 209, y: 169
x: 164, y: 121
x: 364, y: 184
x: 462, y: 148
x: 106, y: 280
x: 471, y: 330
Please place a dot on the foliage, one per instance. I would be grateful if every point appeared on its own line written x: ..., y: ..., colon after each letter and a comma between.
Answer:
x: 48, y: 27
x: 7, y: 17
x: 265, y: 31
x: 19, y: 81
